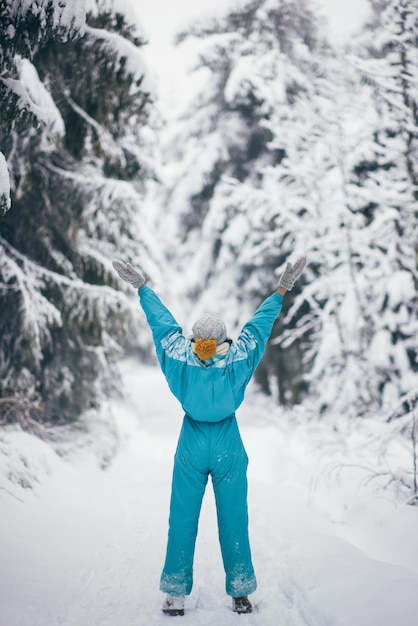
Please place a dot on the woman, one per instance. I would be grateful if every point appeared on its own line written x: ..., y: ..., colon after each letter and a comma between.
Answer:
x: 208, y: 374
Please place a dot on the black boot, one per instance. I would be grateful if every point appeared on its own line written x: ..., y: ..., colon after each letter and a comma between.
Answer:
x: 241, y: 605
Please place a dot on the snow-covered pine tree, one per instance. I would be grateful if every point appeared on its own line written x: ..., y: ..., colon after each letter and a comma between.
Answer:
x: 348, y: 165
x: 387, y: 60
x: 23, y: 26
x: 77, y: 188
x: 263, y: 61
x: 305, y: 210
x: 361, y: 211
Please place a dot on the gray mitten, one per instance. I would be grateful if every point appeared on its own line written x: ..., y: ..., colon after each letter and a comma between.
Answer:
x: 292, y: 273
x: 129, y: 274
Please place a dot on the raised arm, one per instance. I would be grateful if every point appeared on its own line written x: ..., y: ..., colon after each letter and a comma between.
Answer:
x: 159, y: 318
x: 256, y: 332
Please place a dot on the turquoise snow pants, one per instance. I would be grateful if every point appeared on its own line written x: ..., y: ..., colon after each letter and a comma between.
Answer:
x: 205, y: 448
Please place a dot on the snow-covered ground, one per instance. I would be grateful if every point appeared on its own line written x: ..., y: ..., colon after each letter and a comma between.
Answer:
x: 83, y: 541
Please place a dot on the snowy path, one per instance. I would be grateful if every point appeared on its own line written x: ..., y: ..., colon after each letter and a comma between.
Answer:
x: 85, y: 547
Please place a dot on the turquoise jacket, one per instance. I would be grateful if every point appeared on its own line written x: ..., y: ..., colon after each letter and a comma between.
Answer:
x: 211, y: 390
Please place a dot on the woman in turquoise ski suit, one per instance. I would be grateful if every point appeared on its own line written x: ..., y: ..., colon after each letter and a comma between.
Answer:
x: 209, y: 391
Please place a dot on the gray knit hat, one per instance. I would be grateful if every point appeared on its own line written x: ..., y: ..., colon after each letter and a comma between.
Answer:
x: 210, y: 327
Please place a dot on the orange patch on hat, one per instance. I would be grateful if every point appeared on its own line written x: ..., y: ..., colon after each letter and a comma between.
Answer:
x: 205, y: 348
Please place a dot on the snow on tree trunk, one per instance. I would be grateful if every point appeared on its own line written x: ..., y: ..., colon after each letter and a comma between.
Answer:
x: 4, y: 186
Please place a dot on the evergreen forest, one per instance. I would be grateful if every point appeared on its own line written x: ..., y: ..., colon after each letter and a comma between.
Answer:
x: 288, y: 146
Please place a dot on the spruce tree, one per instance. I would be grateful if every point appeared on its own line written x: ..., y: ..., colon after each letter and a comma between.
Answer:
x: 387, y: 61
x: 77, y: 180
x: 23, y: 26
x: 263, y: 61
